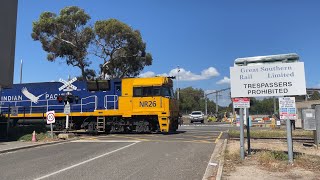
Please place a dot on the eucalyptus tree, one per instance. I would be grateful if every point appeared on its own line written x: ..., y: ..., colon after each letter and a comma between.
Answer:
x: 121, y: 48
x: 66, y: 36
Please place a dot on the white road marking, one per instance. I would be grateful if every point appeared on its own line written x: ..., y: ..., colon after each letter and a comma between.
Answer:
x: 208, y: 125
x: 86, y: 161
x: 106, y: 141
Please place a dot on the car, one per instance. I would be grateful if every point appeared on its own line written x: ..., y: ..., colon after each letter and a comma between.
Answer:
x: 196, y: 116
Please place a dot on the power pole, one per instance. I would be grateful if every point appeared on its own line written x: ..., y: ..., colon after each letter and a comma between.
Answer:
x: 217, y: 94
x: 178, y: 89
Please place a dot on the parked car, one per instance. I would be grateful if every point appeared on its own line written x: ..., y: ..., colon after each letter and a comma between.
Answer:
x: 196, y: 116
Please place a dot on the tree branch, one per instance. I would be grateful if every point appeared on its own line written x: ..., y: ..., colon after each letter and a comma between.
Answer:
x: 66, y: 41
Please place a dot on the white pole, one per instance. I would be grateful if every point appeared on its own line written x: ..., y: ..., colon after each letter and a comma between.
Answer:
x: 178, y: 91
x: 67, y: 118
x: 21, y: 66
x: 51, y: 130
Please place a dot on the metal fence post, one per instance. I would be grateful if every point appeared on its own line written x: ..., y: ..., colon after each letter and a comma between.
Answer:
x: 241, y: 134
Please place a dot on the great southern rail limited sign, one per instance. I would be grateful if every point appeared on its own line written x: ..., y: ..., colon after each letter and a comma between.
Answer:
x: 277, y: 79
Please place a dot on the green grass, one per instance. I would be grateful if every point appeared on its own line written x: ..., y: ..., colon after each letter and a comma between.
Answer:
x: 39, y: 137
x: 24, y: 133
x: 270, y: 156
x: 271, y: 133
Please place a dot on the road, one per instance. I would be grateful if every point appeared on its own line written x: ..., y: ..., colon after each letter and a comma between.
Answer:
x: 183, y: 155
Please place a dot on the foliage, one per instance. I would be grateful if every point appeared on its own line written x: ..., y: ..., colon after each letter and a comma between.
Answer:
x: 265, y: 106
x: 39, y: 136
x: 193, y: 99
x: 270, y: 156
x: 271, y: 133
x: 315, y: 96
x: 65, y: 36
x: 121, y: 48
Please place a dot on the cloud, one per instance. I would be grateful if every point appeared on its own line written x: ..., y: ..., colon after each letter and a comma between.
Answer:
x: 225, y: 80
x: 184, y: 75
x: 147, y: 74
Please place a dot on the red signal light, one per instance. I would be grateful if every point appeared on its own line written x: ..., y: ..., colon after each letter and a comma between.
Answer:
x: 60, y: 99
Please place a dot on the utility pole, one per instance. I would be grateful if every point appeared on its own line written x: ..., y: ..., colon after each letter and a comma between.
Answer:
x: 206, y: 103
x: 217, y: 94
x: 178, y: 89
x: 21, y: 67
x: 217, y: 103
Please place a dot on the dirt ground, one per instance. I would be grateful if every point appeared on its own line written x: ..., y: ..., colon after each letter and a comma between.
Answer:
x: 252, y: 168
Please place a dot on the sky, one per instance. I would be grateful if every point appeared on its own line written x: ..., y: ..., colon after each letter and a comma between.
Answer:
x: 200, y: 38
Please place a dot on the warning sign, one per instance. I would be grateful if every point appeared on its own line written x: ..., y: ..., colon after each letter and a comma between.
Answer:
x: 268, y: 80
x: 241, y: 102
x: 51, y: 117
x: 287, y: 108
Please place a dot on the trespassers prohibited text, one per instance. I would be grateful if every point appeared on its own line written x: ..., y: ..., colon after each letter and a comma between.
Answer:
x: 267, y: 88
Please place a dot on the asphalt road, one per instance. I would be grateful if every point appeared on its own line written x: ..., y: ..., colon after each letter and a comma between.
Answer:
x: 183, y: 155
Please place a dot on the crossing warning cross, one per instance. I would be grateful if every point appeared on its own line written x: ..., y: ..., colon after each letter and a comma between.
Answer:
x: 67, y: 85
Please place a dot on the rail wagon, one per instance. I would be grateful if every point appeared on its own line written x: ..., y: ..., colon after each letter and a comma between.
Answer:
x: 118, y: 105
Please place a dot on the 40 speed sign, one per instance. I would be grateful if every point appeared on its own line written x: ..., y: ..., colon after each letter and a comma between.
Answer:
x: 50, y: 117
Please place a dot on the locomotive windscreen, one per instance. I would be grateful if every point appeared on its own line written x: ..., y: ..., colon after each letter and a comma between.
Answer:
x: 101, y: 85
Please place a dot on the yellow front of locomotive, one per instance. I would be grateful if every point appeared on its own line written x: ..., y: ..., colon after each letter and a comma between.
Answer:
x: 153, y: 99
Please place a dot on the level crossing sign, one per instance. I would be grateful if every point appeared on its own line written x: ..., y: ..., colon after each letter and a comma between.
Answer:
x: 51, y: 117
x: 67, y: 85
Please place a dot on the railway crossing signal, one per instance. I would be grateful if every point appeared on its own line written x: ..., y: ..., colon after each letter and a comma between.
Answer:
x: 68, y: 98
x: 67, y: 85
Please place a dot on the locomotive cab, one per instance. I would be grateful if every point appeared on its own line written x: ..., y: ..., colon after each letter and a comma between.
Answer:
x: 151, y: 102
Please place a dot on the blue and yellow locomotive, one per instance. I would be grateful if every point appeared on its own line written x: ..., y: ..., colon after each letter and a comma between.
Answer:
x: 119, y: 105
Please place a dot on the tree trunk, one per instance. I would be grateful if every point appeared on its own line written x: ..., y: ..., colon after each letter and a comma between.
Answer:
x: 84, y: 76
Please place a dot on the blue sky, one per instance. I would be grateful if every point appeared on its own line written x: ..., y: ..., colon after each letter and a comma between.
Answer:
x: 202, y: 37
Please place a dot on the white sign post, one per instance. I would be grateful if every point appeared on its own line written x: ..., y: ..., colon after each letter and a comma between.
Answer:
x: 50, y: 120
x: 287, y: 108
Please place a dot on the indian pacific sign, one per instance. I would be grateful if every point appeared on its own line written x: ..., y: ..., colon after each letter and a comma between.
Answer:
x: 277, y: 79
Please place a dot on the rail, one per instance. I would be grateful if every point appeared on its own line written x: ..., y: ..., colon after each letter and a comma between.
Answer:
x: 113, y: 100
x: 95, y: 102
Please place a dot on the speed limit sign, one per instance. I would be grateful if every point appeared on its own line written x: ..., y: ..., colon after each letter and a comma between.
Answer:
x: 50, y: 117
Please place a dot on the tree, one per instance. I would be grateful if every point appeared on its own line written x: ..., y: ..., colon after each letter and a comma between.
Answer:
x: 193, y: 100
x: 315, y: 95
x: 121, y: 48
x: 66, y: 36
x: 264, y: 106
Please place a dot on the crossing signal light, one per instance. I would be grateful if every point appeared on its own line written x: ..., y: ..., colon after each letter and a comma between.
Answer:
x: 70, y: 98
x: 60, y: 99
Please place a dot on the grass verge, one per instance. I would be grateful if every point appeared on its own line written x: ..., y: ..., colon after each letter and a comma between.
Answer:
x: 268, y: 133
x: 308, y: 162
x: 273, y: 161
x: 39, y: 136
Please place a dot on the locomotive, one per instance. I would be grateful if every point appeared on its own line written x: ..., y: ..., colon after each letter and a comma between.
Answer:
x: 117, y: 105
